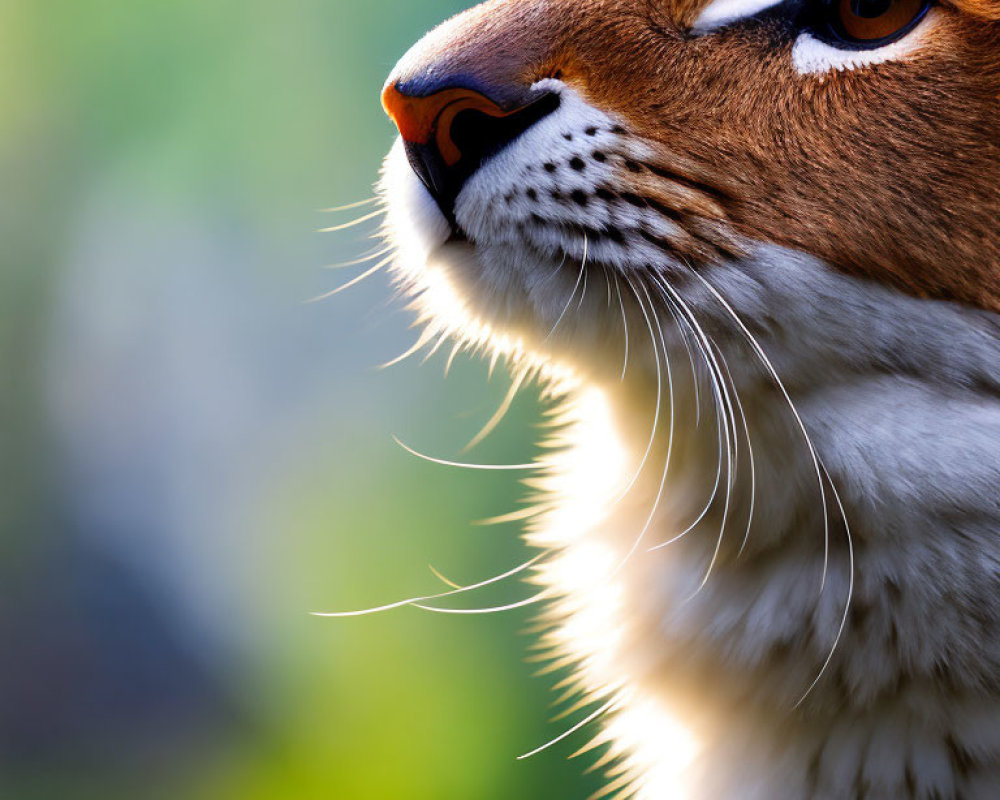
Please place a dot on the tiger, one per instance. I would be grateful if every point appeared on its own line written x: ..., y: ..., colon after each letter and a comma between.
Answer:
x: 751, y: 250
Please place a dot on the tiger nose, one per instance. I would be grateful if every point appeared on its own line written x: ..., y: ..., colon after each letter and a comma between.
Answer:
x: 450, y: 132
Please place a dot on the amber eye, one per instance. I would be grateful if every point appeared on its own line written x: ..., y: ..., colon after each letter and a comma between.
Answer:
x: 869, y: 23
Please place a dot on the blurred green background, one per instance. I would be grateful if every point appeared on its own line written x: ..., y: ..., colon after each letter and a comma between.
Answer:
x: 192, y: 458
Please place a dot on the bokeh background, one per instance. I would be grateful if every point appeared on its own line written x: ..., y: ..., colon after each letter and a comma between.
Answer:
x: 193, y: 458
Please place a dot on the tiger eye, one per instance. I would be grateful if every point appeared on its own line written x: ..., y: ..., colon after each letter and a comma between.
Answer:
x: 870, y: 9
x: 875, y: 20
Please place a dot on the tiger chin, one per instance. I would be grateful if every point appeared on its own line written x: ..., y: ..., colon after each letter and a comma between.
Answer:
x: 753, y: 249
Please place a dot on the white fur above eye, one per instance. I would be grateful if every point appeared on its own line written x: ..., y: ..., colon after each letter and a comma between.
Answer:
x: 811, y: 56
x: 722, y: 12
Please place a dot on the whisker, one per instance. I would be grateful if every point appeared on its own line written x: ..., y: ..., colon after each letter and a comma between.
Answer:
x: 753, y: 468
x: 537, y: 598
x: 687, y: 333
x: 700, y: 339
x: 576, y: 286
x: 353, y: 223
x: 656, y: 408
x: 704, y: 511
x: 353, y: 282
x: 850, y: 590
x: 566, y: 734
x: 355, y: 262
x: 722, y: 406
x: 437, y: 596
x: 762, y: 356
x: 583, y: 293
x: 446, y: 463
x: 727, y: 413
x: 670, y: 438
x: 621, y: 305
x: 443, y: 579
x: 558, y: 268
x: 501, y: 412
x: 366, y: 202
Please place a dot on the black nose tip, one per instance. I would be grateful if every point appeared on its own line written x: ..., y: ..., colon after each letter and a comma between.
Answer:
x: 448, y: 134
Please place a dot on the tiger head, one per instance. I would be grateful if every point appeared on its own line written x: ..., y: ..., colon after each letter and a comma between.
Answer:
x: 656, y: 132
x: 799, y: 199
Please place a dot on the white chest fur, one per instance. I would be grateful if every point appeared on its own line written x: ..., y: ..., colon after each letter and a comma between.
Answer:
x: 790, y: 654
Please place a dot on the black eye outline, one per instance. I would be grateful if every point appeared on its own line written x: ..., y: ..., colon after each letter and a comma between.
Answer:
x: 828, y: 27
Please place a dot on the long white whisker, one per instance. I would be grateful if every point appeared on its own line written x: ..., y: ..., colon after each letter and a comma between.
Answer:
x: 566, y: 734
x: 353, y: 223
x: 621, y: 304
x: 361, y: 260
x: 686, y: 332
x: 753, y: 468
x: 850, y: 589
x: 446, y: 581
x: 576, y: 286
x: 731, y: 458
x: 670, y: 440
x: 704, y: 511
x: 437, y: 596
x: 537, y: 598
x: 353, y: 282
x: 656, y: 408
x: 724, y: 415
x: 759, y: 351
x: 558, y: 269
x: 349, y: 206
x: 501, y: 412
x: 700, y: 340
x: 446, y: 463
x: 671, y: 400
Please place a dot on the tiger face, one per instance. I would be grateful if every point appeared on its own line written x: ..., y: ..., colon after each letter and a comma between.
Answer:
x: 867, y: 139
x: 766, y: 235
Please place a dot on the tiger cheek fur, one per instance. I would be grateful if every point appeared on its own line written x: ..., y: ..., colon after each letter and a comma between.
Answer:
x: 770, y: 288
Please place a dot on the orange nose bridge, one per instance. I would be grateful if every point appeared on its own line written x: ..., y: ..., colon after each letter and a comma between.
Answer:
x: 423, y: 119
